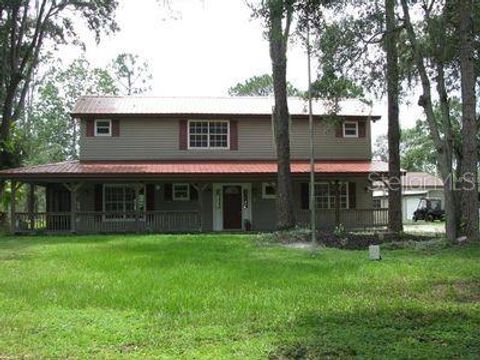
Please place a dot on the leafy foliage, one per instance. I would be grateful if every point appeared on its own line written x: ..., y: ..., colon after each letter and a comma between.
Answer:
x: 261, y: 85
x: 131, y: 74
x: 25, y: 27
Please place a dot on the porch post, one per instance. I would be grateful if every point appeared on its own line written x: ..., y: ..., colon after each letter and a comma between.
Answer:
x: 31, y: 206
x: 13, y: 194
x: 200, y: 188
x: 137, y: 206
x: 336, y: 188
x: 73, y: 188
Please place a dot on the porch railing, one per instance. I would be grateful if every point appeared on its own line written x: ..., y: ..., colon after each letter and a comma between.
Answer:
x: 349, y: 218
x: 108, y: 222
x: 175, y: 221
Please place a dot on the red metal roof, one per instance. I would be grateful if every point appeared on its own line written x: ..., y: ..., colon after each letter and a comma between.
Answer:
x: 233, y: 105
x: 74, y: 169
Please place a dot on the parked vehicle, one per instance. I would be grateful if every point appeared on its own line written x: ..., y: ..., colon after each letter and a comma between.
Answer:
x: 429, y: 210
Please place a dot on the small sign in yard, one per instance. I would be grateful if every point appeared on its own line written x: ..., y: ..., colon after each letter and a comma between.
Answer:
x: 374, y: 251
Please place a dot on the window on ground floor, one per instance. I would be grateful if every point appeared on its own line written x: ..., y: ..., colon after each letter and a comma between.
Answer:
x: 181, y: 192
x: 120, y: 201
x: 325, y: 195
x: 269, y: 190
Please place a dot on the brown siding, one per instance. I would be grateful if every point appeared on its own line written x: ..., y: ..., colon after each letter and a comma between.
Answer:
x: 154, y: 139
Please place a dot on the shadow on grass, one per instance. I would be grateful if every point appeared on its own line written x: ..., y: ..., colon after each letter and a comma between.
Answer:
x: 395, y: 333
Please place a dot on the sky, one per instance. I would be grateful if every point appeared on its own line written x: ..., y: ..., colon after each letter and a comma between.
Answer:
x: 203, y: 47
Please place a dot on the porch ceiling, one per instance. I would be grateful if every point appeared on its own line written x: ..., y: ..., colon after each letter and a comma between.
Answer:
x: 150, y: 169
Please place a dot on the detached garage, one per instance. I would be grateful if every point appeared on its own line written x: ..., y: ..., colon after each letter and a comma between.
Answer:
x: 415, y: 186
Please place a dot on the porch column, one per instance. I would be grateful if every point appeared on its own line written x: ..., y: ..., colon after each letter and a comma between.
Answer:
x: 200, y: 188
x: 336, y: 189
x: 31, y: 206
x: 13, y: 195
x: 137, y: 206
x: 73, y: 188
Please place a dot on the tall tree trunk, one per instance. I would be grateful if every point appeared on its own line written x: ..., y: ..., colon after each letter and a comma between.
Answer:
x: 278, y: 54
x: 395, y: 188
x: 469, y: 187
x: 444, y: 150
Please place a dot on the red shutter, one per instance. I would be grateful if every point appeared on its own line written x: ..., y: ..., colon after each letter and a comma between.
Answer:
x: 304, y: 196
x: 116, y: 128
x: 167, y: 192
x: 150, y: 188
x: 362, y: 129
x: 193, y: 193
x: 90, y: 127
x: 99, y: 197
x: 352, y: 195
x: 182, y: 140
x: 233, y: 135
x: 339, y: 129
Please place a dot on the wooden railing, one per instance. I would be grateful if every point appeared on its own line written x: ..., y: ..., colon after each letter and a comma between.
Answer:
x: 175, y: 221
x: 108, y: 222
x: 349, y: 218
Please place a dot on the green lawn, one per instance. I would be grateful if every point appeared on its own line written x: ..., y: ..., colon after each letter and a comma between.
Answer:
x: 222, y: 296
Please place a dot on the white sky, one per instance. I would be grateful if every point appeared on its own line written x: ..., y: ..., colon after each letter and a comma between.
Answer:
x: 201, y: 48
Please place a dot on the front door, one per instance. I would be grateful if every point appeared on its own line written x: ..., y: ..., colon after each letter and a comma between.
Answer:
x: 232, y: 207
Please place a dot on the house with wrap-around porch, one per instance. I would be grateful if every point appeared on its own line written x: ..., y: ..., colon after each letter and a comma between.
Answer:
x: 152, y: 164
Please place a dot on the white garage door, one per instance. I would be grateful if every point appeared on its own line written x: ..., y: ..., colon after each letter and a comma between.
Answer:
x: 411, y: 206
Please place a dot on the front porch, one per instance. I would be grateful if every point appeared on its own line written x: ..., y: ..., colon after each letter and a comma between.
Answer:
x: 151, y: 208
x: 89, y: 198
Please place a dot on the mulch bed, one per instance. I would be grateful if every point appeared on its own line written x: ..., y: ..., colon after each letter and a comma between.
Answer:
x: 359, y: 241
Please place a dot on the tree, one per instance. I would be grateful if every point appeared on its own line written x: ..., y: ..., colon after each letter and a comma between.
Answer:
x: 48, y: 133
x: 278, y: 16
x: 25, y: 27
x: 132, y: 75
x: 393, y: 90
x: 439, y: 58
x: 469, y: 179
x: 261, y: 85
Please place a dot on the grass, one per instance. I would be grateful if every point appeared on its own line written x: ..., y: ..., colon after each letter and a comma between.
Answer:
x: 223, y: 297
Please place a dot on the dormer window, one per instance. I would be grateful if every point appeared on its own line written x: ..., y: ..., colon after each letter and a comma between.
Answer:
x: 207, y: 134
x: 350, y: 129
x: 103, y: 127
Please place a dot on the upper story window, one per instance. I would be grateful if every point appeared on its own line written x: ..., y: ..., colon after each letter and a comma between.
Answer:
x: 350, y: 129
x: 103, y: 127
x: 205, y: 134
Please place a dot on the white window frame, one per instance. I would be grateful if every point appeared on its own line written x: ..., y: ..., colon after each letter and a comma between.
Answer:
x: 208, y: 134
x: 331, y: 194
x: 109, y: 127
x: 264, y: 187
x: 356, y: 129
x: 123, y: 218
x: 175, y: 198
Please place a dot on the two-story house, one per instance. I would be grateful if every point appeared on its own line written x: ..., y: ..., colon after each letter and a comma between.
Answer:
x: 200, y: 164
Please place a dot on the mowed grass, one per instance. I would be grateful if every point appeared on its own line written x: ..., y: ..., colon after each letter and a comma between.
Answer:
x: 223, y: 296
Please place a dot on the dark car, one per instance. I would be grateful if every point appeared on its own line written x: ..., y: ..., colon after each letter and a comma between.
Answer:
x: 429, y: 210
